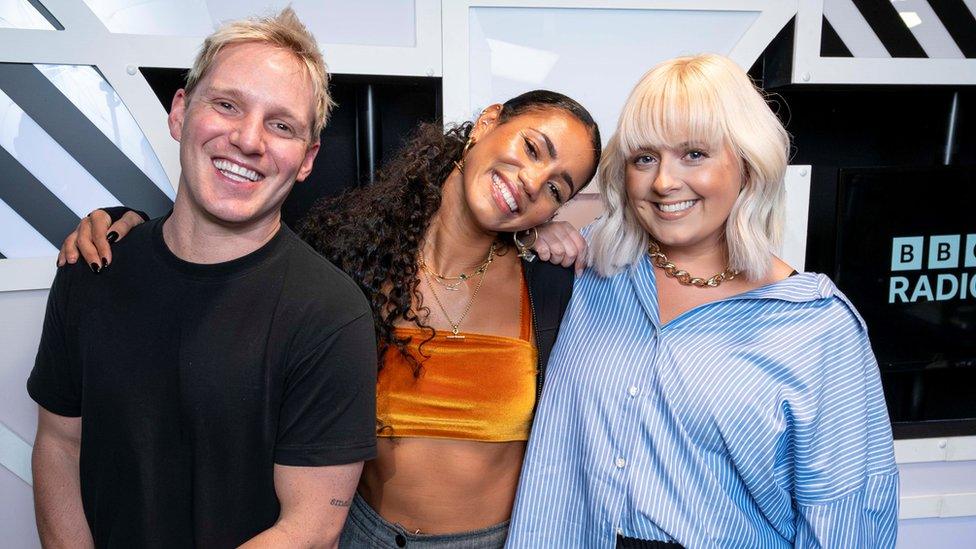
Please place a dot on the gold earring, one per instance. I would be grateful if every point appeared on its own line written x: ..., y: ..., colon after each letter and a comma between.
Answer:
x: 459, y: 164
x: 524, y: 249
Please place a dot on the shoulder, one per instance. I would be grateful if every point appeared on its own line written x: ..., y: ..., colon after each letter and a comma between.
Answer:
x: 834, y: 304
x: 547, y: 275
x: 320, y: 285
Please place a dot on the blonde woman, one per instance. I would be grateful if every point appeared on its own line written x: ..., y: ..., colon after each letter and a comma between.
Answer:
x: 701, y: 392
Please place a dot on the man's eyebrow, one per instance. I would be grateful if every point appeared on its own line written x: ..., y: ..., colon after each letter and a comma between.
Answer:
x: 236, y: 94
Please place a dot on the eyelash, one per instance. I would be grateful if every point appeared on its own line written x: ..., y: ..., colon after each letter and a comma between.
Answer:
x: 700, y: 156
x: 554, y: 189
x: 533, y: 152
x: 637, y: 159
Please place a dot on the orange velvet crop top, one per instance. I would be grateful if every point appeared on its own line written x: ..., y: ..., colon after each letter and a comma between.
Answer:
x: 482, y: 387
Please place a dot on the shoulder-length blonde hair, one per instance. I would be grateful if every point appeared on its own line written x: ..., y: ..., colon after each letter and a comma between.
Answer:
x: 709, y: 99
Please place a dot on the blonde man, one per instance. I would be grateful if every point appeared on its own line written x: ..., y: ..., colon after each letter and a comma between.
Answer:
x: 216, y: 386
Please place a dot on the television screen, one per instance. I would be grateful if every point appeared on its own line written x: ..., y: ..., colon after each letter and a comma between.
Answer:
x: 906, y: 257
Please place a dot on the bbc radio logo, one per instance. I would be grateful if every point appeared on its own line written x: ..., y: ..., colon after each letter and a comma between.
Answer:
x: 915, y: 253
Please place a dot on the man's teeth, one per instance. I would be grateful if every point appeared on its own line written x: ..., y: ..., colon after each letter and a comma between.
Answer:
x: 677, y: 207
x: 506, y: 194
x: 236, y: 172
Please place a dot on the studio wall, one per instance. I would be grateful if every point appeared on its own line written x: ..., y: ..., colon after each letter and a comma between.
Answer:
x: 83, y: 88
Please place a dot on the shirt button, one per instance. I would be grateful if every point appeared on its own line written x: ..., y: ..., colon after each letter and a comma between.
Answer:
x: 620, y: 463
x: 633, y: 390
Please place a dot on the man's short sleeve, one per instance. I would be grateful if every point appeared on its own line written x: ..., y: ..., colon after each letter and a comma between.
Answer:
x: 328, y: 416
x: 55, y: 381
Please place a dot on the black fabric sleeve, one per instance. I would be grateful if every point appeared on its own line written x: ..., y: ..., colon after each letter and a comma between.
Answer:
x: 116, y: 212
x: 55, y: 382
x: 328, y: 416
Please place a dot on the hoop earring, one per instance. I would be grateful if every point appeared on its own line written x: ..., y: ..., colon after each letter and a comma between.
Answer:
x: 524, y: 249
x: 459, y: 163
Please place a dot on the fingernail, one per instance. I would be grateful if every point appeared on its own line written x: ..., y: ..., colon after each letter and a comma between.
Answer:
x: 95, y: 268
x: 104, y: 263
x: 112, y: 237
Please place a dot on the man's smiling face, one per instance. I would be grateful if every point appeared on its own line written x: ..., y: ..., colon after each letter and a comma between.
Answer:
x: 244, y: 133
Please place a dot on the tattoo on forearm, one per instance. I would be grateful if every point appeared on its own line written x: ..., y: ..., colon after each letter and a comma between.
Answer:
x: 340, y: 502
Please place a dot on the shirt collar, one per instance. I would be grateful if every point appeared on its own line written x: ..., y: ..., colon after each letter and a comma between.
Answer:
x: 800, y: 288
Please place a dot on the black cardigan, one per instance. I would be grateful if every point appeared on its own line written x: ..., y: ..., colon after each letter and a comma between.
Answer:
x: 550, y: 287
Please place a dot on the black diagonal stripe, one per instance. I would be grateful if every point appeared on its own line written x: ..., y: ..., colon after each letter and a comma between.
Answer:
x: 891, y: 30
x: 46, y: 14
x: 831, y: 44
x: 960, y: 23
x: 34, y: 202
x: 2, y: 256
x: 42, y: 101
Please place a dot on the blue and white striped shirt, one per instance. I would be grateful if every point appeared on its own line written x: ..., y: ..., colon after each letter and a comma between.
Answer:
x: 754, y: 421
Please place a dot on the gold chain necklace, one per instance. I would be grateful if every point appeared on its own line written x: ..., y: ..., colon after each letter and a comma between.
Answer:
x: 684, y: 277
x: 456, y: 326
x: 453, y: 283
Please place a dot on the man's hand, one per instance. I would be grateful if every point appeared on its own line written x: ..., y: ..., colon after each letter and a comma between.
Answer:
x: 560, y: 243
x: 92, y: 238
x: 57, y: 487
x: 314, y: 505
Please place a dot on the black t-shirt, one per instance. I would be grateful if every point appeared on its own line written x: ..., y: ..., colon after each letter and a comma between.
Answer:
x: 193, y: 380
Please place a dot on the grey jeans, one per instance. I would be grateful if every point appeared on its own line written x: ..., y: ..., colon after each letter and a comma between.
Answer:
x: 365, y: 528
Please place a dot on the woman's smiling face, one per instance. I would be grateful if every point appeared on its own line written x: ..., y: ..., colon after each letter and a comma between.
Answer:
x: 519, y: 172
x: 682, y: 195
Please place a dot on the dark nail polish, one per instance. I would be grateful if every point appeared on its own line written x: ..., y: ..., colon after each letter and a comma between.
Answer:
x: 112, y: 237
x: 104, y: 263
x: 95, y: 268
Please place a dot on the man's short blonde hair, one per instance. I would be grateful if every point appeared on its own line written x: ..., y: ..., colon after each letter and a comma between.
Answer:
x: 283, y: 30
x: 707, y: 99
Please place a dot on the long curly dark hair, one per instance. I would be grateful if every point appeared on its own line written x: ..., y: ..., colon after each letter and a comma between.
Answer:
x: 373, y: 232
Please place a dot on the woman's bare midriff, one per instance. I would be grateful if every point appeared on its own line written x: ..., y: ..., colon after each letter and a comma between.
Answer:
x: 440, y: 486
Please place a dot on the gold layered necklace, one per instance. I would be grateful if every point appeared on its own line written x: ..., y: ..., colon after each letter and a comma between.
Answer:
x: 453, y: 284
x: 684, y: 277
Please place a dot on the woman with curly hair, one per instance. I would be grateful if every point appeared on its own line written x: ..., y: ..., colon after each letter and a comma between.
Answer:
x: 464, y: 319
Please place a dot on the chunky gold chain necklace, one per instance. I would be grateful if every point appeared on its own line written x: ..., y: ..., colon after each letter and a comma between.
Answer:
x: 453, y: 283
x: 684, y: 277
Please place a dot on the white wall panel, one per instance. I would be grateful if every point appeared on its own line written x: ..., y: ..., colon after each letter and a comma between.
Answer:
x: 592, y: 51
x: 20, y: 14
x: 592, y: 55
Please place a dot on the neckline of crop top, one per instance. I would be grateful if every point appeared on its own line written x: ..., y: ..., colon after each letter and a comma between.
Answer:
x: 481, y: 388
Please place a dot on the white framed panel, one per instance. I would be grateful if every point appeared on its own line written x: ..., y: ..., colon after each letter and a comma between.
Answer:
x: 592, y: 51
x: 794, y: 248
x: 880, y: 68
x: 28, y: 273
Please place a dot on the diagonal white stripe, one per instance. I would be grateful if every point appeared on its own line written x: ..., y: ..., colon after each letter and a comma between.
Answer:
x: 47, y: 160
x: 95, y: 98
x: 15, y: 454
x: 853, y: 29
x: 971, y: 4
x: 19, y: 239
x: 929, y: 31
